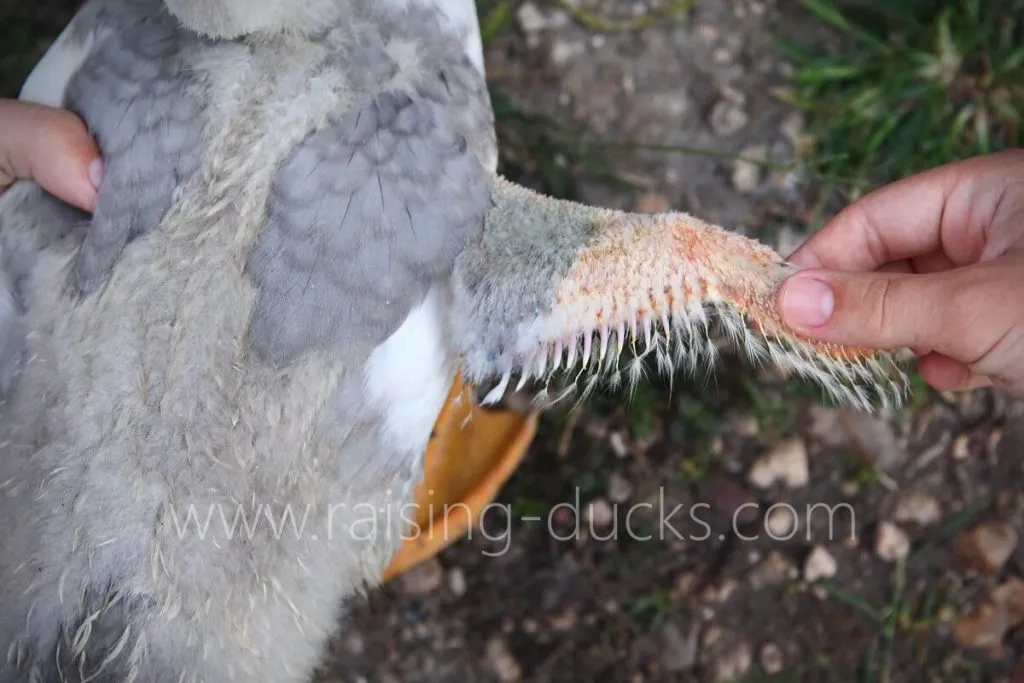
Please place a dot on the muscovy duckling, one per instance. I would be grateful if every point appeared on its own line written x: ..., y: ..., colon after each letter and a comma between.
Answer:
x: 218, y: 388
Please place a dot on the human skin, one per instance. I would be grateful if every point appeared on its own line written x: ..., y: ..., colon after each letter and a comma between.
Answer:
x: 51, y: 146
x: 934, y: 263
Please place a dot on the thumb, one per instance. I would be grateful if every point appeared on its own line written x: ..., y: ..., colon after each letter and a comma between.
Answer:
x: 51, y: 146
x: 882, y: 310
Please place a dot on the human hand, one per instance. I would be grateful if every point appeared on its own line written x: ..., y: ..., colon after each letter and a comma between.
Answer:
x: 52, y: 147
x: 934, y: 262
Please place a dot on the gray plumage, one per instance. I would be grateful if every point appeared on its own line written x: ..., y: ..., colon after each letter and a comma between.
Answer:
x: 506, y: 279
x: 218, y: 390
x: 384, y: 178
x: 251, y: 325
x: 143, y: 104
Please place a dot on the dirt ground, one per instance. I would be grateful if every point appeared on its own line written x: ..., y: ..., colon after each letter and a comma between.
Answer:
x: 916, y: 581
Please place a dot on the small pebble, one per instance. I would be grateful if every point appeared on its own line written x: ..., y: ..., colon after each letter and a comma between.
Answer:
x: 1010, y: 595
x: 503, y: 664
x: 992, y: 444
x: 826, y: 426
x: 984, y: 548
x: 960, y: 447
x: 982, y: 628
x: 745, y: 424
x: 721, y: 55
x: 849, y: 489
x: 917, y: 507
x: 793, y: 129
x: 720, y: 592
x: 733, y: 664
x: 679, y: 652
x: 712, y: 636
x: 781, y: 522
x: 457, y: 581
x: 771, y: 659
x: 875, y: 439
x: 707, y: 33
x: 531, y: 19
x: 620, y: 489
x: 891, y: 543
x: 786, y: 462
x: 563, y: 52
x: 599, y: 513
x: 618, y: 444
x: 820, y: 564
x: 746, y: 174
x: 728, y: 118
x: 563, y: 621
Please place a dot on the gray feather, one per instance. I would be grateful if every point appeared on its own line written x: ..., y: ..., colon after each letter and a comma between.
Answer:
x: 505, y: 280
x: 365, y: 215
x: 221, y: 243
x: 31, y: 221
x: 143, y: 105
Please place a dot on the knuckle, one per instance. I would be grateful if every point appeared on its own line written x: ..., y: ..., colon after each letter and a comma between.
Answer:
x: 878, y: 300
x: 982, y: 312
x: 862, y: 224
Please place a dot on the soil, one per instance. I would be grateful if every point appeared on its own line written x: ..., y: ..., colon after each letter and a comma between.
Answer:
x: 720, y: 590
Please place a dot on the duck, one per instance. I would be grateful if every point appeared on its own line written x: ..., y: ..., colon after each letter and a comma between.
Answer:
x: 218, y: 387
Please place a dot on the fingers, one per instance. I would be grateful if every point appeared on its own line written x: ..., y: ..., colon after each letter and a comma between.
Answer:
x: 51, y: 146
x: 945, y: 374
x: 948, y: 210
x: 880, y: 310
x: 945, y: 273
x: 961, y: 314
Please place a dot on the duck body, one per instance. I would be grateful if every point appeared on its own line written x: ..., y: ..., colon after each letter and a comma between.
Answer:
x: 226, y: 378
x: 216, y: 391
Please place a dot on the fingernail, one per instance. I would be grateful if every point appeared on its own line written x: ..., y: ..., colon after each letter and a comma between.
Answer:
x: 807, y: 302
x: 96, y: 172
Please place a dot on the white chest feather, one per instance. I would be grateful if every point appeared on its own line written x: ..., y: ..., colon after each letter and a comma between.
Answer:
x: 409, y: 375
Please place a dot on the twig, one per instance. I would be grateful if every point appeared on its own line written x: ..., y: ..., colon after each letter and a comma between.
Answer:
x: 594, y: 22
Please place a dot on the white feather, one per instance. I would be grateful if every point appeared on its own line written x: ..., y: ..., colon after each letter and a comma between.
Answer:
x: 461, y: 16
x: 409, y: 375
x: 50, y: 76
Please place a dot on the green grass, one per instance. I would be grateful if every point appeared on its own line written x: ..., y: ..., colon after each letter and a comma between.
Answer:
x: 906, y: 621
x: 641, y: 410
x: 905, y: 617
x: 775, y: 412
x: 650, y: 610
x: 906, y: 85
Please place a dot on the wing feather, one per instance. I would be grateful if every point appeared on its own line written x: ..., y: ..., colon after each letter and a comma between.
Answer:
x: 368, y: 213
